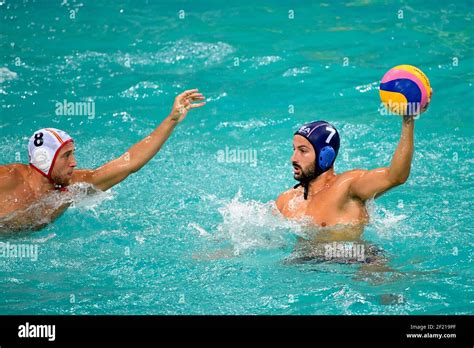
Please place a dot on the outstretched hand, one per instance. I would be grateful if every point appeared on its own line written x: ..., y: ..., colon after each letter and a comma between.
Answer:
x: 185, y: 102
x: 408, y: 118
x: 429, y: 101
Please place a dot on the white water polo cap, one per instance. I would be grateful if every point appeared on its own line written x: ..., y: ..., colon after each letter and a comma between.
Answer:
x: 44, y: 147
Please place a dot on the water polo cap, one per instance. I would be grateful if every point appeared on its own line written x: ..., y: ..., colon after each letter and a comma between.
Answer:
x: 44, y: 147
x: 325, y: 140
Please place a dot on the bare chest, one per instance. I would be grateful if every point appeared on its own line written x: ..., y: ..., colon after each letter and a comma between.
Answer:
x: 326, y: 208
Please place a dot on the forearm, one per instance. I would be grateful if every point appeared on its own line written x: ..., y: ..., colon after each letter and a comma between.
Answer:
x: 143, y: 151
x: 138, y: 155
x: 401, y: 161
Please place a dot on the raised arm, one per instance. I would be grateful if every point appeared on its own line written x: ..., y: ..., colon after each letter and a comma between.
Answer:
x: 368, y: 184
x: 139, y: 154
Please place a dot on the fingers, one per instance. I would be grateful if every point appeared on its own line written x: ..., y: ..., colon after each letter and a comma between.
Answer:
x: 185, y: 100
x: 193, y: 97
x: 187, y: 93
x: 196, y: 96
x: 429, y: 99
x: 193, y: 106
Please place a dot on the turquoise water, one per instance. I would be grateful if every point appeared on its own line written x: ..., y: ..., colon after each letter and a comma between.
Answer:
x: 151, y: 245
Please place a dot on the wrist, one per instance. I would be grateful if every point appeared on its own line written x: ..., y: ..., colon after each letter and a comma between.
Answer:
x: 172, y: 119
x: 408, y: 119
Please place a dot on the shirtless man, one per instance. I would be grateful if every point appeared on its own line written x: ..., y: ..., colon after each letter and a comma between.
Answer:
x: 335, y: 203
x: 52, y: 169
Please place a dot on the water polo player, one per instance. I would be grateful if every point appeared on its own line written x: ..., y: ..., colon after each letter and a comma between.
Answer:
x: 336, y: 202
x: 52, y: 167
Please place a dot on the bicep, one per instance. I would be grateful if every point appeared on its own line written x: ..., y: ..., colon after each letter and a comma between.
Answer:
x: 367, y: 184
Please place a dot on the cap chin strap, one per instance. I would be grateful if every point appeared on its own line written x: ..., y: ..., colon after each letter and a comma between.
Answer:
x: 305, y: 186
x: 305, y: 183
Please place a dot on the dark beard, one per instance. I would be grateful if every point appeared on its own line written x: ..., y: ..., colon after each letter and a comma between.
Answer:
x: 307, y: 175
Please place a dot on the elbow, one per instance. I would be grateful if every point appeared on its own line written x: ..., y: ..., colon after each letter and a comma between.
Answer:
x: 400, y: 180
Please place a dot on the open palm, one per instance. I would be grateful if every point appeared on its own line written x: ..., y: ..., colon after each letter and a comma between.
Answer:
x: 185, y: 102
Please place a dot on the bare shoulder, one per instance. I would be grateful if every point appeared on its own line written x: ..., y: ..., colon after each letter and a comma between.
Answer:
x: 350, y: 175
x: 344, y: 181
x: 12, y: 174
x: 284, y: 197
x: 13, y: 169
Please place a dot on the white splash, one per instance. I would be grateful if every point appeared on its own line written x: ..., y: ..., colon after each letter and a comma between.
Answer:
x: 202, y: 231
x: 262, y: 61
x: 384, y: 221
x: 251, y: 225
x: 187, y: 53
x: 221, y: 95
x: 250, y: 124
x: 297, y: 71
x: 368, y: 87
x: 82, y: 196
x: 7, y: 75
x: 126, y: 117
x: 142, y: 90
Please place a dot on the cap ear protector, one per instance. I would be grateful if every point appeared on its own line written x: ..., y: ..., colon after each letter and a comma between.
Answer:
x: 41, y: 158
x: 326, y: 158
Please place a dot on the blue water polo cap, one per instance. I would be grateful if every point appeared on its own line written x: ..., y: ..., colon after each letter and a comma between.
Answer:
x: 325, y: 140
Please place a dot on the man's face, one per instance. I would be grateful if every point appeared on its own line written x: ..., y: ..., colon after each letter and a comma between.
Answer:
x: 64, y: 165
x: 303, y: 159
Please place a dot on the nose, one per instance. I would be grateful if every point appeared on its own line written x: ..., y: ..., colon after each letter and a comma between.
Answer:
x: 73, y: 162
x: 294, y: 157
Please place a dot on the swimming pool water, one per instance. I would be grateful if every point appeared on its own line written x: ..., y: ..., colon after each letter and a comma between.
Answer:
x: 153, y: 244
